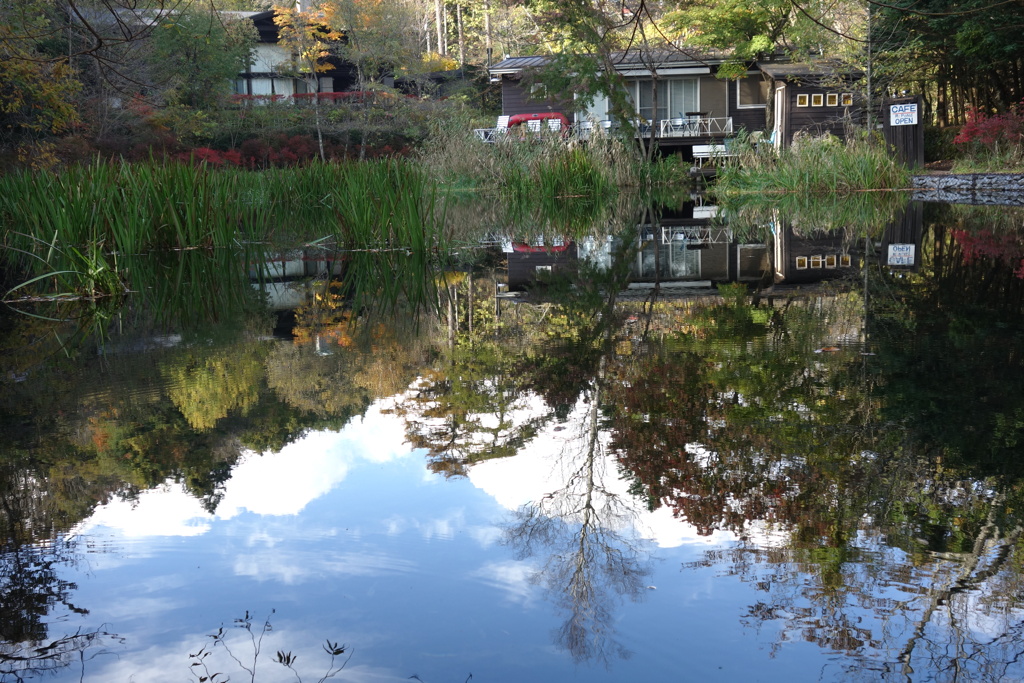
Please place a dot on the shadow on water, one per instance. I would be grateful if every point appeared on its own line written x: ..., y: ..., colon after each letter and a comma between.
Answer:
x: 849, y: 420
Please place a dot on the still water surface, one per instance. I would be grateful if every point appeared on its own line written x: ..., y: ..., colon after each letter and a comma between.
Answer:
x: 820, y: 483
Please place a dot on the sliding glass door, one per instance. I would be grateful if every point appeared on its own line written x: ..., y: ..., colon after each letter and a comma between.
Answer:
x: 676, y: 96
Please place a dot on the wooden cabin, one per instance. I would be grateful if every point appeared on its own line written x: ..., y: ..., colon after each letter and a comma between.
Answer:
x: 680, y: 102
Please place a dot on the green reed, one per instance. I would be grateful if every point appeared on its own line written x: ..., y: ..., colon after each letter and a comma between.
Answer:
x: 749, y: 216
x: 63, y: 230
x: 823, y: 165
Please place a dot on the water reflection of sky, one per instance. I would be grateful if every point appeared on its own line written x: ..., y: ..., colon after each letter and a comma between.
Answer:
x: 347, y: 536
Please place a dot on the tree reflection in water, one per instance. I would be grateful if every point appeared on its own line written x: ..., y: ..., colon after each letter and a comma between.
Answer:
x: 593, y: 557
x: 31, y: 587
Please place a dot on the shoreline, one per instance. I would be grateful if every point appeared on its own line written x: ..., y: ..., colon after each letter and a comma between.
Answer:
x: 995, y: 189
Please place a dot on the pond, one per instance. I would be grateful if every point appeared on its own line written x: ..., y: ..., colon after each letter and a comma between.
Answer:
x: 686, y: 444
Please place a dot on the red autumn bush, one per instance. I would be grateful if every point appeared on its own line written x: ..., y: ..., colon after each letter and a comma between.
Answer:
x: 992, y: 131
x: 985, y: 245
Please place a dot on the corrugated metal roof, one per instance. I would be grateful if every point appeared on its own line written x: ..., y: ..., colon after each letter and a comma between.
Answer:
x: 630, y: 59
x: 806, y: 69
x: 681, y: 56
x: 514, y: 64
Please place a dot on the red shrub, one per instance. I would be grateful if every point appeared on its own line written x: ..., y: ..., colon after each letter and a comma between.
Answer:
x: 1004, y: 248
x: 990, y: 130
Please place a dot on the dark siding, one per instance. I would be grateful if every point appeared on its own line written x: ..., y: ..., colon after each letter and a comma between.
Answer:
x: 514, y: 100
x: 714, y: 262
x: 795, y: 246
x: 748, y: 119
x: 522, y: 267
x: 815, y: 120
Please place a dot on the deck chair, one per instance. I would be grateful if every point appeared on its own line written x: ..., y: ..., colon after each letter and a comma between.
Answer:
x: 584, y: 129
x: 501, y: 127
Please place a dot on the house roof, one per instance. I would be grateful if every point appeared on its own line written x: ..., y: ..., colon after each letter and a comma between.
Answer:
x: 511, y: 65
x: 806, y: 70
x: 628, y: 60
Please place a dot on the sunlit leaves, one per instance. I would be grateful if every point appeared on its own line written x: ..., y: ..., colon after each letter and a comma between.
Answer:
x: 207, y: 387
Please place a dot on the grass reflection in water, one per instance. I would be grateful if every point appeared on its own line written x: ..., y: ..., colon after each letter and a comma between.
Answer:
x: 873, y: 500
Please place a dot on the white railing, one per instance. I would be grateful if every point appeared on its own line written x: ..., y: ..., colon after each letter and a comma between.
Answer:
x: 490, y: 134
x: 681, y: 127
x: 695, y: 126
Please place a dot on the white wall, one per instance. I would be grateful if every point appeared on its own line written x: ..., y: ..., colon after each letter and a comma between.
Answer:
x: 267, y: 58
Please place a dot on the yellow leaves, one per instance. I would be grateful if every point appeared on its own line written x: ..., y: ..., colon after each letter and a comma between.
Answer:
x: 432, y: 61
x: 308, y: 36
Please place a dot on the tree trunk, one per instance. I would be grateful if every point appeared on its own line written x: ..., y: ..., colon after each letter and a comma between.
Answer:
x: 426, y: 30
x: 462, y: 41
x: 314, y: 83
x: 442, y: 47
x: 487, y: 30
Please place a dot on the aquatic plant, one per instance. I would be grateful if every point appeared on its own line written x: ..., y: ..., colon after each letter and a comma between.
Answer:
x: 816, y: 166
x: 91, y: 229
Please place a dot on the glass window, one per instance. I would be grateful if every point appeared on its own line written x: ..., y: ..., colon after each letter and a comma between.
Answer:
x: 675, y: 97
x: 752, y: 91
x: 645, y: 98
x: 684, y: 97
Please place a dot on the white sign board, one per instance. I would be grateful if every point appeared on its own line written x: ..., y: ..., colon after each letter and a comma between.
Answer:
x: 901, y: 254
x: 903, y: 114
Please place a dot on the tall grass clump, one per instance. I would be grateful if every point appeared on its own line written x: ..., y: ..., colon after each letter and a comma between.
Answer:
x: 455, y: 156
x: 751, y: 216
x: 90, y: 228
x: 814, y: 165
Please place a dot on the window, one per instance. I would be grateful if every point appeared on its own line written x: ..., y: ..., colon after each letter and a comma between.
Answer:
x: 830, y: 261
x: 802, y: 100
x: 817, y: 100
x: 847, y: 99
x: 801, y: 263
x: 832, y: 99
x: 751, y: 91
x: 844, y: 261
x: 538, y: 91
x: 675, y: 96
x: 816, y: 262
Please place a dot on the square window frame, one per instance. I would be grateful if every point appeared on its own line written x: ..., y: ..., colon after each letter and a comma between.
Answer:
x: 803, y: 100
x: 832, y: 99
x: 817, y: 100
x: 846, y: 99
x: 801, y: 263
x: 739, y: 102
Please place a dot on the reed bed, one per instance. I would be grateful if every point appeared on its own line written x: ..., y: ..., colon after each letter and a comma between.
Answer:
x: 750, y: 217
x: 87, y: 231
x: 455, y: 157
x: 814, y: 166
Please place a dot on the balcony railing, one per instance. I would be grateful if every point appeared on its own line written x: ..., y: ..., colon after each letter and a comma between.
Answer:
x: 695, y: 126
x: 681, y: 127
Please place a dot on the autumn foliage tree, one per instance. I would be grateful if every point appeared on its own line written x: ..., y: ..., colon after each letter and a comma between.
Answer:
x: 310, y: 40
x: 36, y: 90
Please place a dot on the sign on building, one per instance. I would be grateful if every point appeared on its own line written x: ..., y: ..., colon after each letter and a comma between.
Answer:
x: 901, y: 254
x: 903, y: 114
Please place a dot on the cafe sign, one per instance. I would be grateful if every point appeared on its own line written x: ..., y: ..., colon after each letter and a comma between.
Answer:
x: 901, y: 254
x: 903, y: 114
